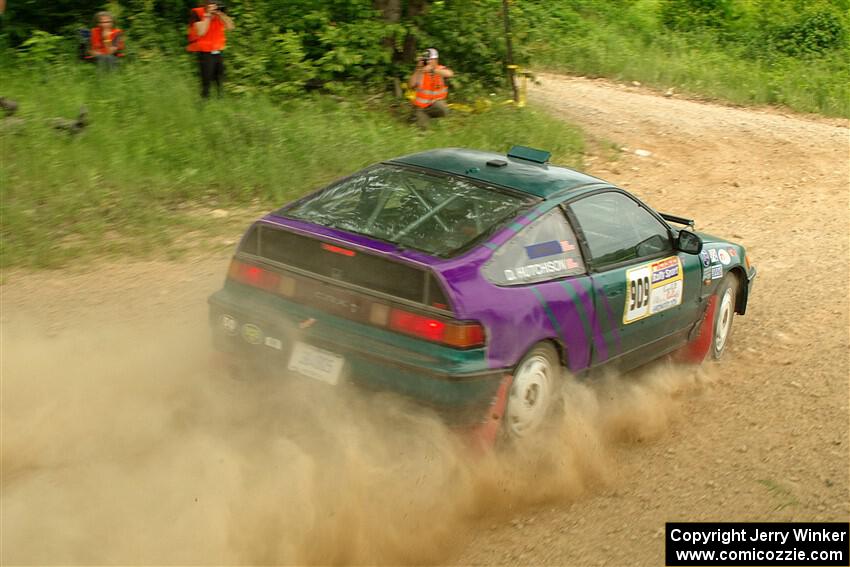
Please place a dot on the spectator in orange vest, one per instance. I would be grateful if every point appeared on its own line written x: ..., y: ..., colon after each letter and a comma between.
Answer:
x: 106, y: 42
x: 431, y: 90
x: 207, y: 38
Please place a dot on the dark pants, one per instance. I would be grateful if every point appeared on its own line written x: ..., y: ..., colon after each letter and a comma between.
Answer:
x: 436, y: 110
x: 212, y: 71
x: 106, y: 62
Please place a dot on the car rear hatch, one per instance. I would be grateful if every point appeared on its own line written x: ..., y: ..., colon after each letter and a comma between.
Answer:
x: 337, y: 310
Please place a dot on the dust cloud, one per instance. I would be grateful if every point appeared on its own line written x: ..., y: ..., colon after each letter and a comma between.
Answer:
x: 122, y: 448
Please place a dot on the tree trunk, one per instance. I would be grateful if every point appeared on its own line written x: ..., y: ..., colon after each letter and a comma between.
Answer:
x: 415, y: 8
x: 390, y: 9
x: 391, y: 12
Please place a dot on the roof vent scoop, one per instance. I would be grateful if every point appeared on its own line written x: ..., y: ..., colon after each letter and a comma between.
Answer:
x: 497, y: 163
x: 529, y: 154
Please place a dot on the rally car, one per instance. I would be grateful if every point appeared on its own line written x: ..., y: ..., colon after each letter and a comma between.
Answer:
x: 474, y: 283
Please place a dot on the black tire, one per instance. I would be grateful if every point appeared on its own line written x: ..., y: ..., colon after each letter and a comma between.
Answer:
x: 724, y: 315
x: 534, y: 392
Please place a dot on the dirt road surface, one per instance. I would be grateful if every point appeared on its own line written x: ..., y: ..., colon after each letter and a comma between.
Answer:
x: 122, y: 443
x: 768, y: 438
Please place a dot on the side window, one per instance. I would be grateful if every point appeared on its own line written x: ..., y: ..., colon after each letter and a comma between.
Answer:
x: 544, y: 250
x: 618, y: 229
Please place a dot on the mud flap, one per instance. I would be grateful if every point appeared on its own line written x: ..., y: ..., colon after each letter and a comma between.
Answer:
x: 697, y: 349
x: 482, y: 437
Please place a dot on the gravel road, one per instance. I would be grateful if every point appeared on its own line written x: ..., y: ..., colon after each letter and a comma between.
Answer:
x: 767, y: 438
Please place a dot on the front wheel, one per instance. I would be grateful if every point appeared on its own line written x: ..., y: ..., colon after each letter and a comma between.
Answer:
x: 725, y: 313
x: 533, y: 392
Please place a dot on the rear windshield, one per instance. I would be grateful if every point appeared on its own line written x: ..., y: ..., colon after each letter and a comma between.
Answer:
x: 435, y: 214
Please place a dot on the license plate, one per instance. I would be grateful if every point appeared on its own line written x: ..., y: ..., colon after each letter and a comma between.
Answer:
x: 316, y: 363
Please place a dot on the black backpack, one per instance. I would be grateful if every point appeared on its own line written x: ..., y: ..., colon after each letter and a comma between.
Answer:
x: 83, y: 47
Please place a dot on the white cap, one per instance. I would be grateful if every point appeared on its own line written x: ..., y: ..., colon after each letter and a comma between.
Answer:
x: 432, y: 53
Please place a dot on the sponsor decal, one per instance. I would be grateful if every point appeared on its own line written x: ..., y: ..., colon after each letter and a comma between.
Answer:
x: 706, y: 260
x: 733, y: 252
x: 231, y: 327
x: 532, y: 270
x: 274, y: 343
x: 665, y: 270
x: 713, y: 255
x: 252, y: 334
x: 551, y: 248
x: 724, y: 257
x: 716, y: 272
x: 652, y: 288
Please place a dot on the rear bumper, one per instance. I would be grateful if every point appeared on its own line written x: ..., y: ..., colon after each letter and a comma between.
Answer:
x: 456, y: 384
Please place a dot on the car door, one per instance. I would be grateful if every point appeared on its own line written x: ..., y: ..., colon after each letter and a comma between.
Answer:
x: 545, y: 259
x: 638, y: 276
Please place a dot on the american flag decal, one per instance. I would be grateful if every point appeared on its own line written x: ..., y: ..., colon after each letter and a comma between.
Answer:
x: 550, y: 248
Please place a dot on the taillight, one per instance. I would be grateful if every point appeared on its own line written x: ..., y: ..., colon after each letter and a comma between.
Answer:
x: 261, y: 278
x: 424, y: 327
x: 456, y: 334
x: 338, y: 250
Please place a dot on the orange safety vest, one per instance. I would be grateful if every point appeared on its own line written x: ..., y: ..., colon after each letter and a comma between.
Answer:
x: 431, y: 88
x: 213, y: 40
x: 116, y: 38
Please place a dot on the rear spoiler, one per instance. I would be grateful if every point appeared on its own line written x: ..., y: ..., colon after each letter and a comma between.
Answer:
x: 677, y: 220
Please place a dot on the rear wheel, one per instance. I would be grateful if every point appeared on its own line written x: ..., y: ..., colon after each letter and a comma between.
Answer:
x: 533, y: 392
x: 724, y: 315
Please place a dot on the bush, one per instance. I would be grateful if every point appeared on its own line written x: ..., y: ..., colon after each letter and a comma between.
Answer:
x: 693, y: 15
x: 44, y: 49
x: 817, y: 31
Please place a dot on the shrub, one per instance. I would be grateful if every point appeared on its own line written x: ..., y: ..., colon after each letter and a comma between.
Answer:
x: 42, y: 49
x: 692, y: 15
x: 818, y: 31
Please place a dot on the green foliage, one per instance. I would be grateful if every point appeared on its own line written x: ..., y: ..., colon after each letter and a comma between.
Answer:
x: 282, y: 46
x: 262, y: 57
x: 24, y: 17
x: 353, y: 51
x: 688, y: 15
x: 42, y: 49
x: 790, y: 52
x: 817, y: 31
x: 147, y: 38
x: 154, y: 161
x: 470, y: 38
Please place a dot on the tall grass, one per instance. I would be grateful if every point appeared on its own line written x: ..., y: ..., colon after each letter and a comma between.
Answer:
x: 154, y: 158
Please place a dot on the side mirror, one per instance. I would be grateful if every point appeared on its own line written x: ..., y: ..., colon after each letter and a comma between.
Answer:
x: 689, y: 242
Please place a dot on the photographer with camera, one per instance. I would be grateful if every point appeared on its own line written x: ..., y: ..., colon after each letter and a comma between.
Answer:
x: 431, y: 90
x: 207, y: 38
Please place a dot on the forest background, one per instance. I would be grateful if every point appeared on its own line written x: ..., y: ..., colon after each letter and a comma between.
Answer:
x: 312, y: 95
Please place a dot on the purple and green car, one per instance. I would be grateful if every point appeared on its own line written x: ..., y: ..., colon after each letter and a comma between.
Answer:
x: 474, y: 283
